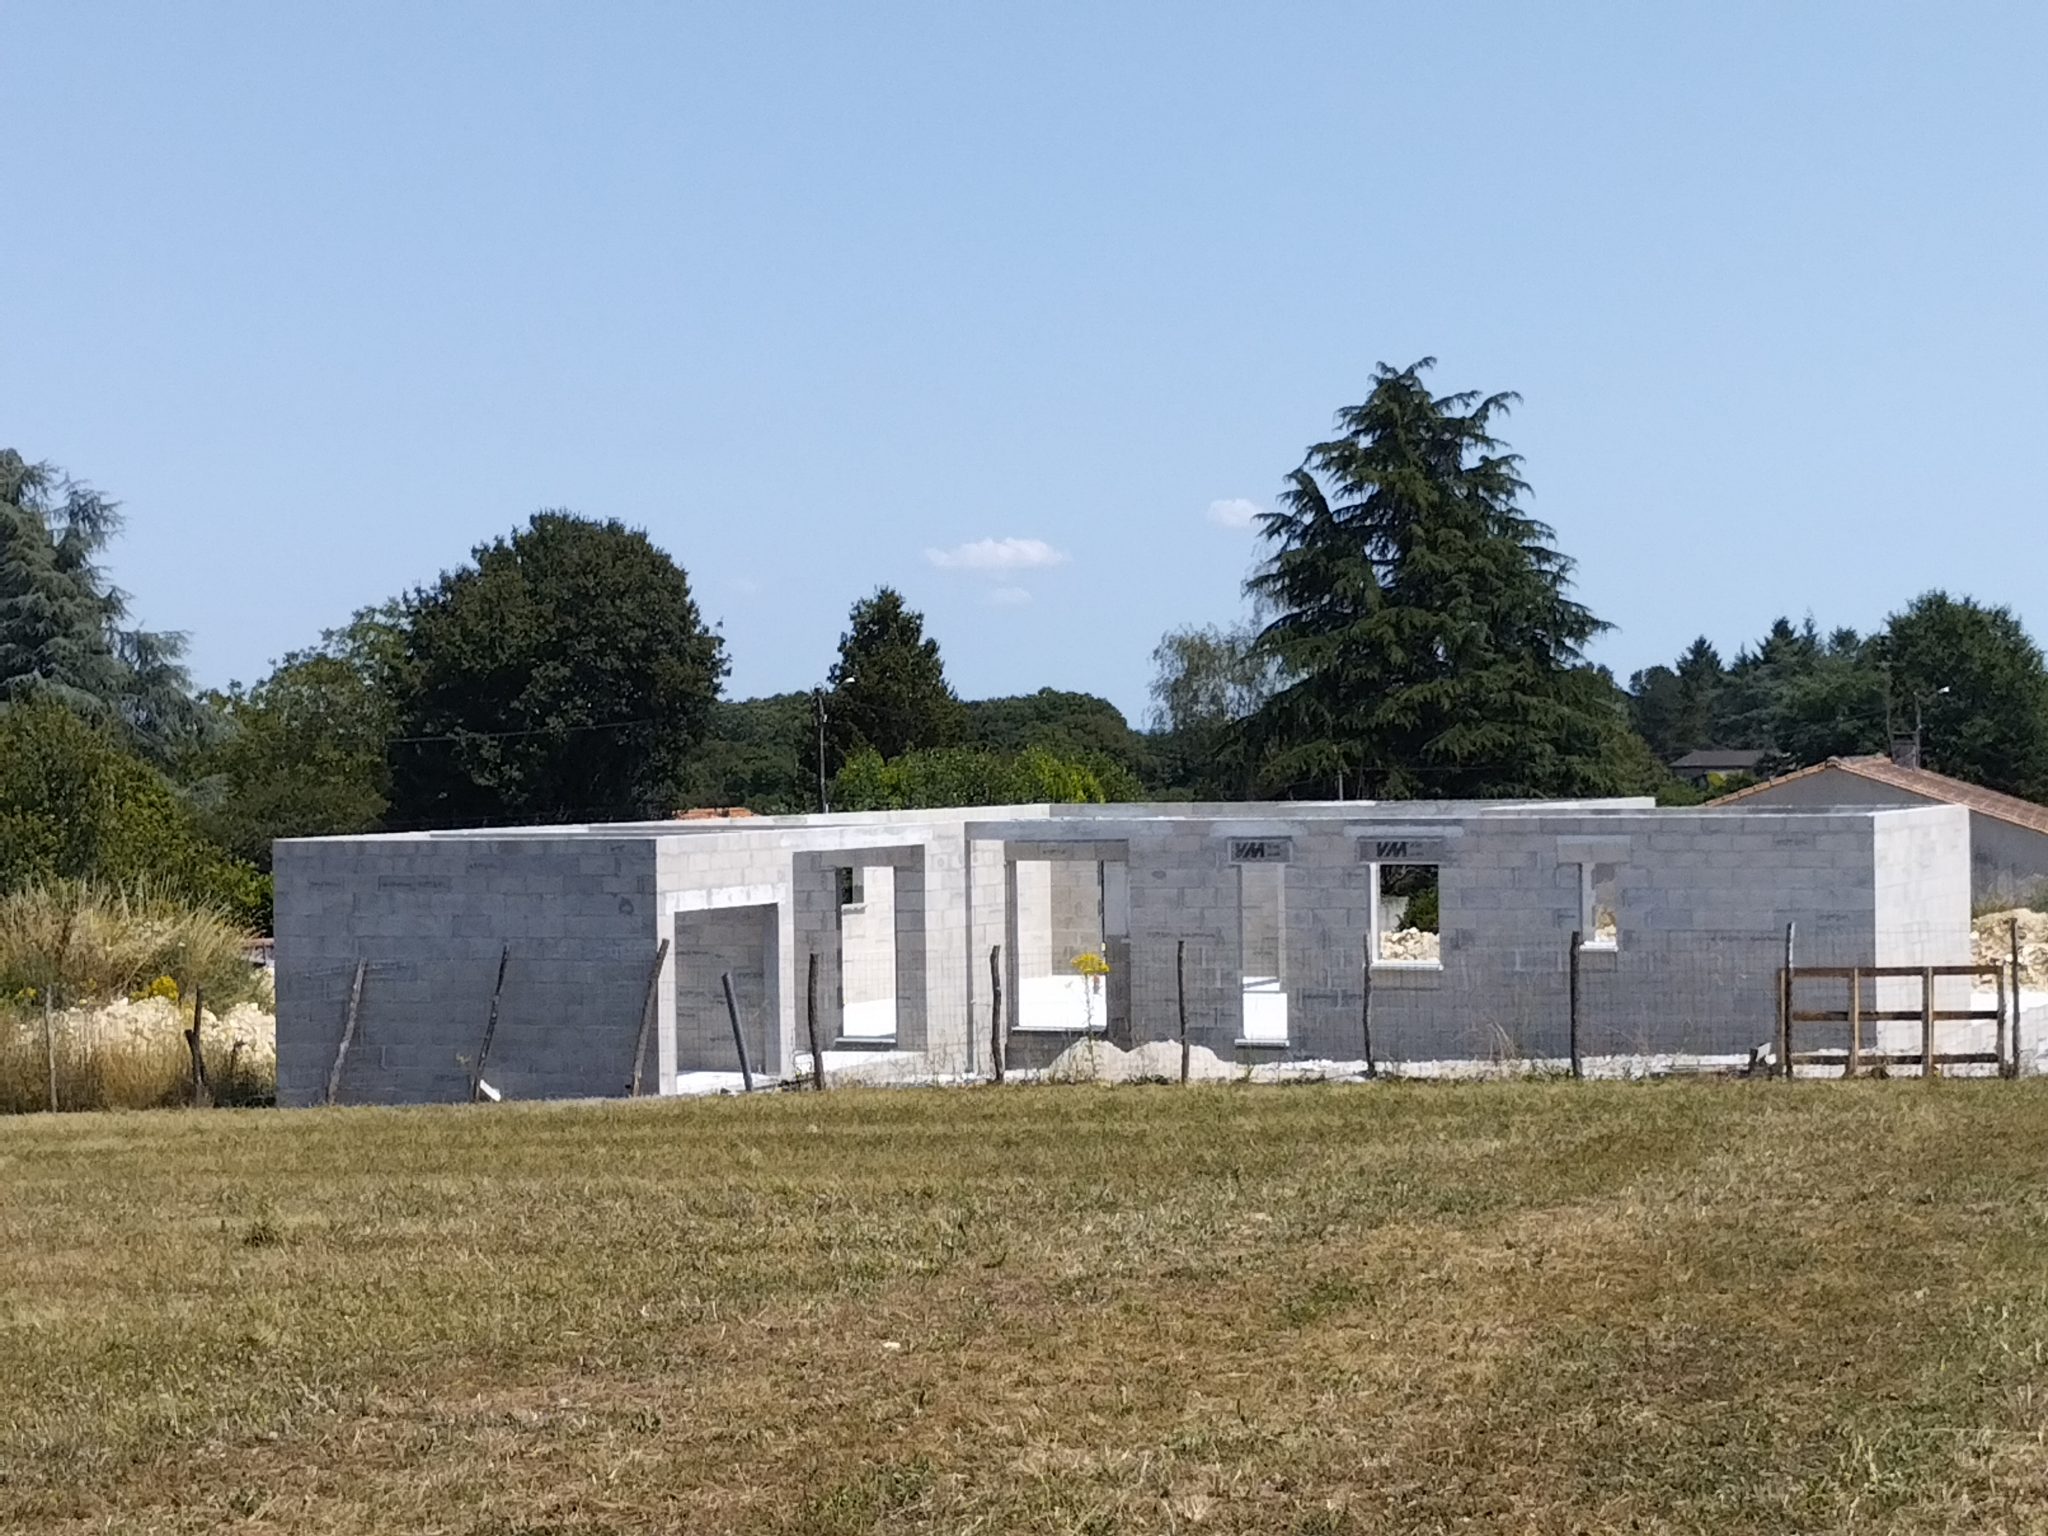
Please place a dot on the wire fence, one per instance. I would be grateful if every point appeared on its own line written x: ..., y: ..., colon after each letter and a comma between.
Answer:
x: 565, y: 1019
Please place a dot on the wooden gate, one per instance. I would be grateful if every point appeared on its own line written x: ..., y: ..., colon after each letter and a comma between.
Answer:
x: 1856, y: 1058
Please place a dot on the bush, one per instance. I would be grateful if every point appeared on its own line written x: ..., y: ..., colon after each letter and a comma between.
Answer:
x: 955, y: 776
x: 84, y: 943
x: 75, y: 805
x: 1422, y: 910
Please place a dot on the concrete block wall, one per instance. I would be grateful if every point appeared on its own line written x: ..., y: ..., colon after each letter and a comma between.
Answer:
x: 430, y: 918
x: 713, y: 870
x: 867, y: 938
x: 953, y: 1041
x: 1702, y: 900
x: 1702, y: 905
x: 1923, y: 901
x: 1076, y: 912
x: 880, y: 951
x: 711, y: 944
x: 1031, y: 893
x: 2007, y: 861
x: 985, y: 878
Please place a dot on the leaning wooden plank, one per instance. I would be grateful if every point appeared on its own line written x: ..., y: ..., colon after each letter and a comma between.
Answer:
x: 739, y: 1040
x: 202, y: 1085
x: 648, y: 1008
x: 348, y: 1034
x: 811, y: 1027
x: 483, y: 1050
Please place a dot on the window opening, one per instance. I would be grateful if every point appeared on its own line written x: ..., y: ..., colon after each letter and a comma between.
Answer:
x: 1406, y: 915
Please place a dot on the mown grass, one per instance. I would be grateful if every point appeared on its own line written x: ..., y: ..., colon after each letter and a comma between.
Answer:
x: 1505, y: 1307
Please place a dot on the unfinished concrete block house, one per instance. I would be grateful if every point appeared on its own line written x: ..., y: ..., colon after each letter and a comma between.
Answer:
x: 592, y: 955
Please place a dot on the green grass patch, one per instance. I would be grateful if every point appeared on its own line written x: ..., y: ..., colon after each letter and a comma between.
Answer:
x: 1529, y: 1307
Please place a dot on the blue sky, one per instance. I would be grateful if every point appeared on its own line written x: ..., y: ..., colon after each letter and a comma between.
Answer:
x: 997, y: 304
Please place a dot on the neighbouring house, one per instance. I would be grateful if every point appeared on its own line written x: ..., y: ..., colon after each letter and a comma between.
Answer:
x: 2008, y: 835
x: 1711, y: 763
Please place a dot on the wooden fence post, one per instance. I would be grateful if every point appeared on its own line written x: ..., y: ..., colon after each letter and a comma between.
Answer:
x: 811, y: 1023
x: 1573, y: 985
x: 1180, y: 992
x: 1927, y: 1022
x: 2000, y: 1050
x: 1855, y: 1063
x: 997, y: 1053
x: 739, y: 1040
x: 1785, y: 1006
x: 2019, y: 1012
x: 348, y: 1033
x: 202, y: 1085
x: 1372, y: 1068
x: 483, y: 1050
x: 50, y: 1045
x: 650, y: 1004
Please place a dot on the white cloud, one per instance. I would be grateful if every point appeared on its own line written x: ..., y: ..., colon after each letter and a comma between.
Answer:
x: 997, y: 555
x: 1009, y: 597
x: 1236, y: 512
x: 747, y: 586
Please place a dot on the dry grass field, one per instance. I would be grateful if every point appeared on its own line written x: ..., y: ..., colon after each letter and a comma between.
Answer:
x: 1536, y: 1307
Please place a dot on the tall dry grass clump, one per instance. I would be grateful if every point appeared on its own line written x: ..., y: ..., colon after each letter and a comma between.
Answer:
x: 111, y: 974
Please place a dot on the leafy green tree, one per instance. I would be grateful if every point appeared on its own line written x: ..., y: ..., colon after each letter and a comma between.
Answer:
x: 1831, y: 705
x: 1981, y: 687
x: 62, y: 623
x: 953, y: 776
x: 1422, y: 617
x: 758, y: 753
x: 888, y: 689
x: 1654, y: 709
x: 303, y: 752
x: 1067, y: 724
x: 75, y: 804
x: 1207, y: 681
x: 565, y: 675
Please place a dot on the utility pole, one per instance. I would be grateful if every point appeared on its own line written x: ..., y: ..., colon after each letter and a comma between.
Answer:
x: 1918, y: 700
x: 824, y: 800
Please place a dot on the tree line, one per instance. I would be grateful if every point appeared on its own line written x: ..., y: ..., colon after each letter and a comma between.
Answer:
x: 1962, y: 679
x: 1410, y: 631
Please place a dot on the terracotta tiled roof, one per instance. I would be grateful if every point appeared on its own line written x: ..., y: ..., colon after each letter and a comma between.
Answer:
x: 1917, y: 781
x: 712, y: 813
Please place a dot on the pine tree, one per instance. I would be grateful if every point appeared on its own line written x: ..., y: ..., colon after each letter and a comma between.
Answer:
x: 62, y: 634
x: 888, y: 689
x: 1423, y: 619
x: 57, y: 619
x: 1701, y: 678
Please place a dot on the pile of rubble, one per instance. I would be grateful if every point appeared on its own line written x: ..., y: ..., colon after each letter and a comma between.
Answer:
x: 1410, y: 944
x: 1992, y: 942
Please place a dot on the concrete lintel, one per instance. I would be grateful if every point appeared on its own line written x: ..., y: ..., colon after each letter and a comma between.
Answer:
x: 673, y: 902
x: 865, y: 856
x: 1593, y: 850
x: 1054, y: 849
x: 1421, y: 827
